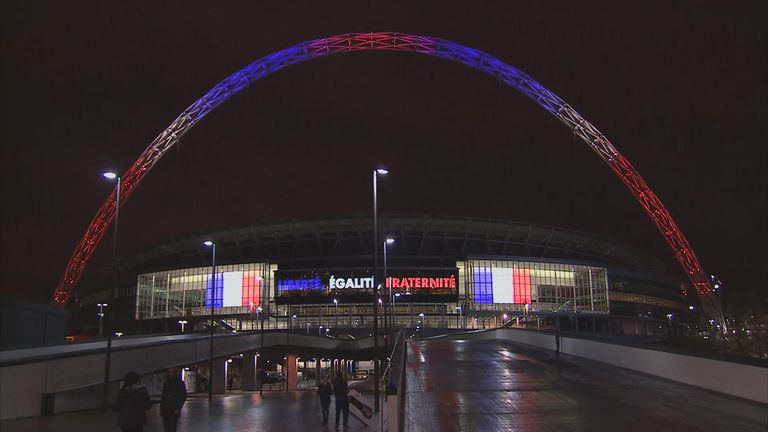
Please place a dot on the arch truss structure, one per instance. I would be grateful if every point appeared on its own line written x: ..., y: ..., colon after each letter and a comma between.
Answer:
x: 386, y: 42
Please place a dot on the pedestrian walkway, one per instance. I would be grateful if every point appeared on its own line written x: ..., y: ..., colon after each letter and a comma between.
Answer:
x: 236, y: 412
x: 502, y: 386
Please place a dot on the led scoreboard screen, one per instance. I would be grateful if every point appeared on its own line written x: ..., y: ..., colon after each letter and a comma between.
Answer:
x: 434, y: 285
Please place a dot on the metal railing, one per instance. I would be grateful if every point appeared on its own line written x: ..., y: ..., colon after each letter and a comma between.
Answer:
x: 393, y: 378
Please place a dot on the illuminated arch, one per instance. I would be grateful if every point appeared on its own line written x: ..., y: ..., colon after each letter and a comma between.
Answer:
x: 386, y: 42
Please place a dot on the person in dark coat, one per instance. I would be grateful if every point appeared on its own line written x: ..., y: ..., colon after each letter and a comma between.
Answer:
x: 173, y: 398
x: 324, y: 391
x: 340, y: 390
x: 132, y: 404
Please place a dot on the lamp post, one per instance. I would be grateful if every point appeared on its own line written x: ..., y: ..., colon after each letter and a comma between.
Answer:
x: 376, y: 174
x: 718, y: 285
x: 101, y: 317
x: 260, y: 316
x: 108, y: 355
x: 212, y: 245
x: 183, y: 323
x: 389, y: 323
x: 336, y: 310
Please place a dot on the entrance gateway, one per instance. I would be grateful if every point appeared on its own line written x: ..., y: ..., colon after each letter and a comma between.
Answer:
x: 386, y: 41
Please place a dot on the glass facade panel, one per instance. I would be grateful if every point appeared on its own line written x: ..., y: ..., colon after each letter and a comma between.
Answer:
x: 543, y: 286
x: 240, y: 288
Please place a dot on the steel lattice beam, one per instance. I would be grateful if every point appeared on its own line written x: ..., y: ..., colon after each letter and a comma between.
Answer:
x: 387, y: 42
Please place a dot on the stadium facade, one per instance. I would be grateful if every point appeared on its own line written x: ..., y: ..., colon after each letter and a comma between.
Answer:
x: 315, y: 275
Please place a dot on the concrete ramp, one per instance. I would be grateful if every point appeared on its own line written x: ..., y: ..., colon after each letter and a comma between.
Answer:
x: 497, y: 385
x: 745, y: 379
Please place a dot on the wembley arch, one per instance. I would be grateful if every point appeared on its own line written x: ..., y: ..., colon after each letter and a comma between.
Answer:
x: 386, y: 41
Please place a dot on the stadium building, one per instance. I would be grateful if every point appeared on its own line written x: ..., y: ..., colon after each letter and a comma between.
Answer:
x: 441, y: 272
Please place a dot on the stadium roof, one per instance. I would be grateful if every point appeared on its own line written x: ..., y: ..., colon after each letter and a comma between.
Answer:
x: 439, y: 238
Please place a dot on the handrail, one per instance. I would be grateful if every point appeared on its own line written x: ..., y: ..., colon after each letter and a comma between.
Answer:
x: 398, y: 358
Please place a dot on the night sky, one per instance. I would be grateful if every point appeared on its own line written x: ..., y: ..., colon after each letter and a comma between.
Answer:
x: 678, y: 87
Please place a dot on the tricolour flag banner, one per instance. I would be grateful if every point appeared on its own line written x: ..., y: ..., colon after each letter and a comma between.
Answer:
x: 502, y: 285
x: 235, y: 288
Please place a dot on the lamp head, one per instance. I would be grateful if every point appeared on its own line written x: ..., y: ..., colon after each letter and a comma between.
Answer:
x: 381, y: 171
x: 110, y: 175
x: 208, y: 243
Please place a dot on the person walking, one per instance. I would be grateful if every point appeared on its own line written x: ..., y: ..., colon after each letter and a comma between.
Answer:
x: 340, y: 390
x: 324, y: 391
x: 173, y: 398
x: 557, y: 342
x: 132, y: 404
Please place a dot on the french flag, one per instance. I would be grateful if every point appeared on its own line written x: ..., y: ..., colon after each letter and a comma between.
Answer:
x: 237, y: 288
x: 502, y: 285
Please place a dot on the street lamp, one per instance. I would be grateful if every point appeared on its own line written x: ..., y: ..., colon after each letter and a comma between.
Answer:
x: 376, y: 174
x: 108, y: 355
x: 260, y: 316
x: 293, y: 320
x: 101, y: 317
x: 387, y: 284
x: 212, y: 245
x: 718, y: 285
x: 319, y: 330
x: 336, y: 310
x: 183, y: 323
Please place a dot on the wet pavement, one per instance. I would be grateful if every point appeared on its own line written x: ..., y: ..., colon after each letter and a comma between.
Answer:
x: 472, y: 386
x: 501, y: 386
x: 236, y: 412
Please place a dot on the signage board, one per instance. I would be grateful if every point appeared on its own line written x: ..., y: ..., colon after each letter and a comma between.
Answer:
x: 357, y: 285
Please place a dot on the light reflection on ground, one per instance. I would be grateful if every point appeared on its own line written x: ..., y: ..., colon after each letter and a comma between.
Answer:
x: 498, y: 386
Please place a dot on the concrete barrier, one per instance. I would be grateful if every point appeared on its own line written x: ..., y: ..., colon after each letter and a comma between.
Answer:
x: 731, y: 378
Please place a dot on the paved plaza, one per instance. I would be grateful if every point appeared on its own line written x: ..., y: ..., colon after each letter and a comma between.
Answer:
x: 473, y: 386
x: 500, y: 386
x: 235, y: 412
